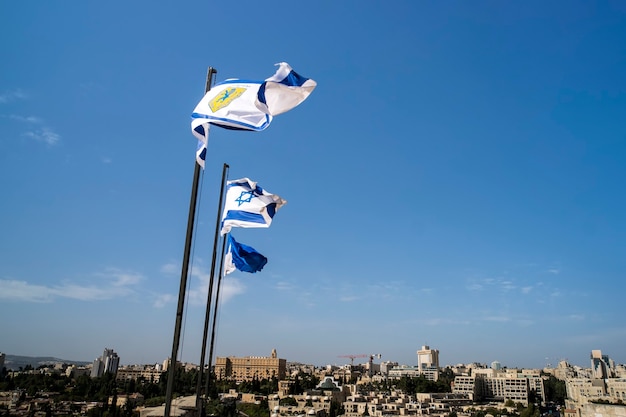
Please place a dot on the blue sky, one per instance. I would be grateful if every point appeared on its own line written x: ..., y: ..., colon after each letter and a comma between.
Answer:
x: 456, y: 179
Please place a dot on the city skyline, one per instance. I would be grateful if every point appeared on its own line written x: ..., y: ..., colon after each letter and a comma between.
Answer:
x: 454, y: 180
x: 355, y: 359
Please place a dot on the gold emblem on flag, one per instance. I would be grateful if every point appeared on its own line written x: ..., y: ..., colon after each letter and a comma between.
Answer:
x: 225, y: 97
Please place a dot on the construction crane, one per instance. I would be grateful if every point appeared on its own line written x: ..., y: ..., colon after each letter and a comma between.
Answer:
x: 362, y: 355
x: 372, y: 356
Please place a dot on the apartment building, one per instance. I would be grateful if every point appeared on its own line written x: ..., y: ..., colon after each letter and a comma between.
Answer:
x: 250, y: 367
x: 107, y: 363
x: 428, y: 362
x: 148, y: 373
x: 501, y: 386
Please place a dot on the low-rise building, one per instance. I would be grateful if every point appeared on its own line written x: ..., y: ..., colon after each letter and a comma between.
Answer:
x: 250, y: 367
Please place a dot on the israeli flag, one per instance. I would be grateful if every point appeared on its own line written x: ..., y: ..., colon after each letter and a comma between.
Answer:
x: 201, y: 149
x: 283, y: 91
x: 248, y: 205
x: 242, y: 257
x: 231, y: 104
x: 250, y: 105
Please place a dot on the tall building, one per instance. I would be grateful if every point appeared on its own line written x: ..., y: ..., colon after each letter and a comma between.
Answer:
x: 2, y: 357
x: 601, y: 366
x: 427, y: 357
x: 250, y: 367
x: 428, y: 362
x: 107, y: 363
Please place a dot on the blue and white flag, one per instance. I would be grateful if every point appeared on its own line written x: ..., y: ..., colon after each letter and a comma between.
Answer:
x: 242, y: 257
x: 201, y: 150
x: 248, y: 205
x: 283, y: 91
x: 249, y: 105
x: 231, y: 104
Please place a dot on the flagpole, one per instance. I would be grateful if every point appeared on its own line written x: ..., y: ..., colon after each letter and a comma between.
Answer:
x: 208, y: 299
x: 217, y: 298
x: 183, y: 275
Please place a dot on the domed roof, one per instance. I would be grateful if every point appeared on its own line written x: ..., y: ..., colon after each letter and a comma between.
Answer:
x: 328, y: 384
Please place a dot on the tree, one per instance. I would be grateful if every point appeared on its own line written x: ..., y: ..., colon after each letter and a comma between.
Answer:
x: 555, y: 390
x: 296, y: 388
x: 287, y: 401
x: 254, y: 410
x: 336, y: 409
x: 530, y: 411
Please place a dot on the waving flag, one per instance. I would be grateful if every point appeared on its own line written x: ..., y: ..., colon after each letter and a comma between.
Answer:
x: 231, y: 104
x: 248, y: 105
x: 283, y: 91
x: 248, y: 205
x: 242, y: 257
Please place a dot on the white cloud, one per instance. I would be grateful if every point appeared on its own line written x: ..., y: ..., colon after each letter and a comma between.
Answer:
x: 231, y: 287
x: 90, y: 293
x: 474, y: 286
x: 198, y: 287
x: 12, y: 96
x: 284, y: 286
x: 500, y: 319
x: 442, y: 321
x: 116, y: 284
x: 26, y: 119
x: 170, y: 268
x: 163, y: 300
x: 23, y: 291
x: 121, y: 278
x: 39, y: 130
x: 44, y: 134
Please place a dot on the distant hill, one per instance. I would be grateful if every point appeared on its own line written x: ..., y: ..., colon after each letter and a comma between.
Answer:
x: 14, y: 362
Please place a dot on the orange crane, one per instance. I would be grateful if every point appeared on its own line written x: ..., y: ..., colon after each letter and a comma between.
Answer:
x: 362, y: 355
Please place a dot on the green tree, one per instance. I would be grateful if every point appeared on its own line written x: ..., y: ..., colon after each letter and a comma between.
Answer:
x: 296, y: 387
x: 254, y: 410
x: 530, y: 411
x: 555, y: 390
x: 336, y: 409
x: 287, y: 401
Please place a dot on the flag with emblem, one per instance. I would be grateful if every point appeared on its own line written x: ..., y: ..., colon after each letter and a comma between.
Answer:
x: 242, y: 257
x: 248, y: 105
x: 248, y: 205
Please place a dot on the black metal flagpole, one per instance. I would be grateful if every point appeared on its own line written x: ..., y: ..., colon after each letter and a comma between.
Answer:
x: 208, y: 300
x: 217, y: 301
x: 171, y: 370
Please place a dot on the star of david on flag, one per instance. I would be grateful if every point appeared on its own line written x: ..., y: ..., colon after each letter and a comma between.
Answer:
x: 248, y: 205
x: 248, y: 105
